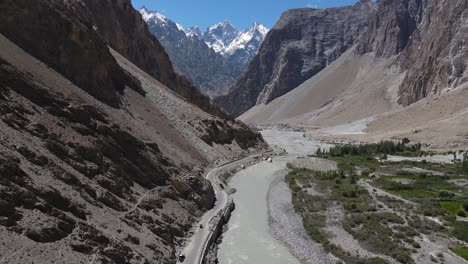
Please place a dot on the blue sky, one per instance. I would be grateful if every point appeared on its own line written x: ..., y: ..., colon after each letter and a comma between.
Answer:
x: 241, y: 13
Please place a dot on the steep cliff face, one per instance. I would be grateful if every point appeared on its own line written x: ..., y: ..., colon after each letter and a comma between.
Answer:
x: 391, y: 27
x: 438, y: 59
x: 125, y: 31
x: 427, y: 37
x: 99, y: 162
x: 94, y: 69
x: 302, y: 43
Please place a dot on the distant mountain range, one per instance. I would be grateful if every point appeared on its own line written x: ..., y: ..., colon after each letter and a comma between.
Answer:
x: 212, y: 60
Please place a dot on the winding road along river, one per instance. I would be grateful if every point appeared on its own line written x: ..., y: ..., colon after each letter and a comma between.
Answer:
x: 249, y: 237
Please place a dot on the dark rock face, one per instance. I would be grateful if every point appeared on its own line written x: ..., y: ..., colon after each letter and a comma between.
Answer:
x: 79, y: 54
x: 125, y: 31
x: 427, y: 37
x: 302, y: 43
x: 443, y: 62
x: 391, y: 27
x: 221, y: 133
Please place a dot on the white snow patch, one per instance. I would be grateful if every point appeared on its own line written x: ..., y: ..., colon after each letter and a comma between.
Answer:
x: 180, y: 27
x: 150, y: 16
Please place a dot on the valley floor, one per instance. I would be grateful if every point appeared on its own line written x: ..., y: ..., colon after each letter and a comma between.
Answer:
x: 265, y: 230
x: 354, y: 209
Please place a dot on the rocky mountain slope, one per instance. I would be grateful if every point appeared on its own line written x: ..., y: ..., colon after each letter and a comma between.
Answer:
x: 212, y: 60
x: 428, y: 38
x: 191, y: 56
x: 99, y: 160
x: 301, y: 44
x: 407, y: 77
x: 125, y: 31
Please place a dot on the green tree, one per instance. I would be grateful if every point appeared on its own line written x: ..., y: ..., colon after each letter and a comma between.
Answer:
x: 319, y: 152
x: 465, y: 163
x: 385, y: 156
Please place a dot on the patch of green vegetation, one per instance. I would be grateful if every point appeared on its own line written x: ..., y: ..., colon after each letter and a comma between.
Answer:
x: 460, y: 230
x: 306, y: 205
x: 350, y: 259
x: 383, y: 147
x: 420, y: 186
x: 343, y: 189
x: 424, y: 225
x: 411, y: 193
x: 348, y: 163
x: 452, y: 169
x: 464, y: 165
x: 225, y: 177
x: 393, y: 203
x: 374, y: 231
x: 401, y: 175
x: 451, y: 207
x: 336, y: 188
x: 461, y: 251
x: 383, y: 232
x: 430, y: 207
x: 312, y: 224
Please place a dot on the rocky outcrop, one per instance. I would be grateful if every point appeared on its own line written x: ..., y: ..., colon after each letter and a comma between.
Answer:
x: 79, y: 54
x: 443, y: 62
x: 301, y: 44
x: 428, y: 39
x: 390, y: 27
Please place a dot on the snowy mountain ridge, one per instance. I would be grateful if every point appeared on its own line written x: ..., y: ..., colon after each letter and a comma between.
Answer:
x: 214, y: 59
x: 222, y: 37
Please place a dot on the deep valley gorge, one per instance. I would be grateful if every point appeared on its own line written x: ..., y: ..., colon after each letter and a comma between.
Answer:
x: 338, y: 134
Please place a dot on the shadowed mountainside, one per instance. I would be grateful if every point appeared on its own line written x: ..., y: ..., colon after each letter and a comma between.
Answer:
x: 99, y: 160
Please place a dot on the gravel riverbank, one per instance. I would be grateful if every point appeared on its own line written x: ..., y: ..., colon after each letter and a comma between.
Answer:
x: 286, y: 225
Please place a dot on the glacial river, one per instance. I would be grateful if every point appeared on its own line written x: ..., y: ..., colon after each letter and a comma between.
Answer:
x: 249, y: 237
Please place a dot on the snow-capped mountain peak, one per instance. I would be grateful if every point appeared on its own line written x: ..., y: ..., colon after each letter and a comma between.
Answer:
x: 180, y: 27
x: 248, y: 40
x: 194, y: 32
x: 224, y: 50
x: 149, y: 16
x: 220, y: 35
x: 261, y: 28
x: 225, y: 26
x: 225, y: 39
x: 157, y: 20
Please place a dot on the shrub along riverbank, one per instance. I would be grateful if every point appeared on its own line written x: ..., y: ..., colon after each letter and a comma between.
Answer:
x: 381, y: 223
